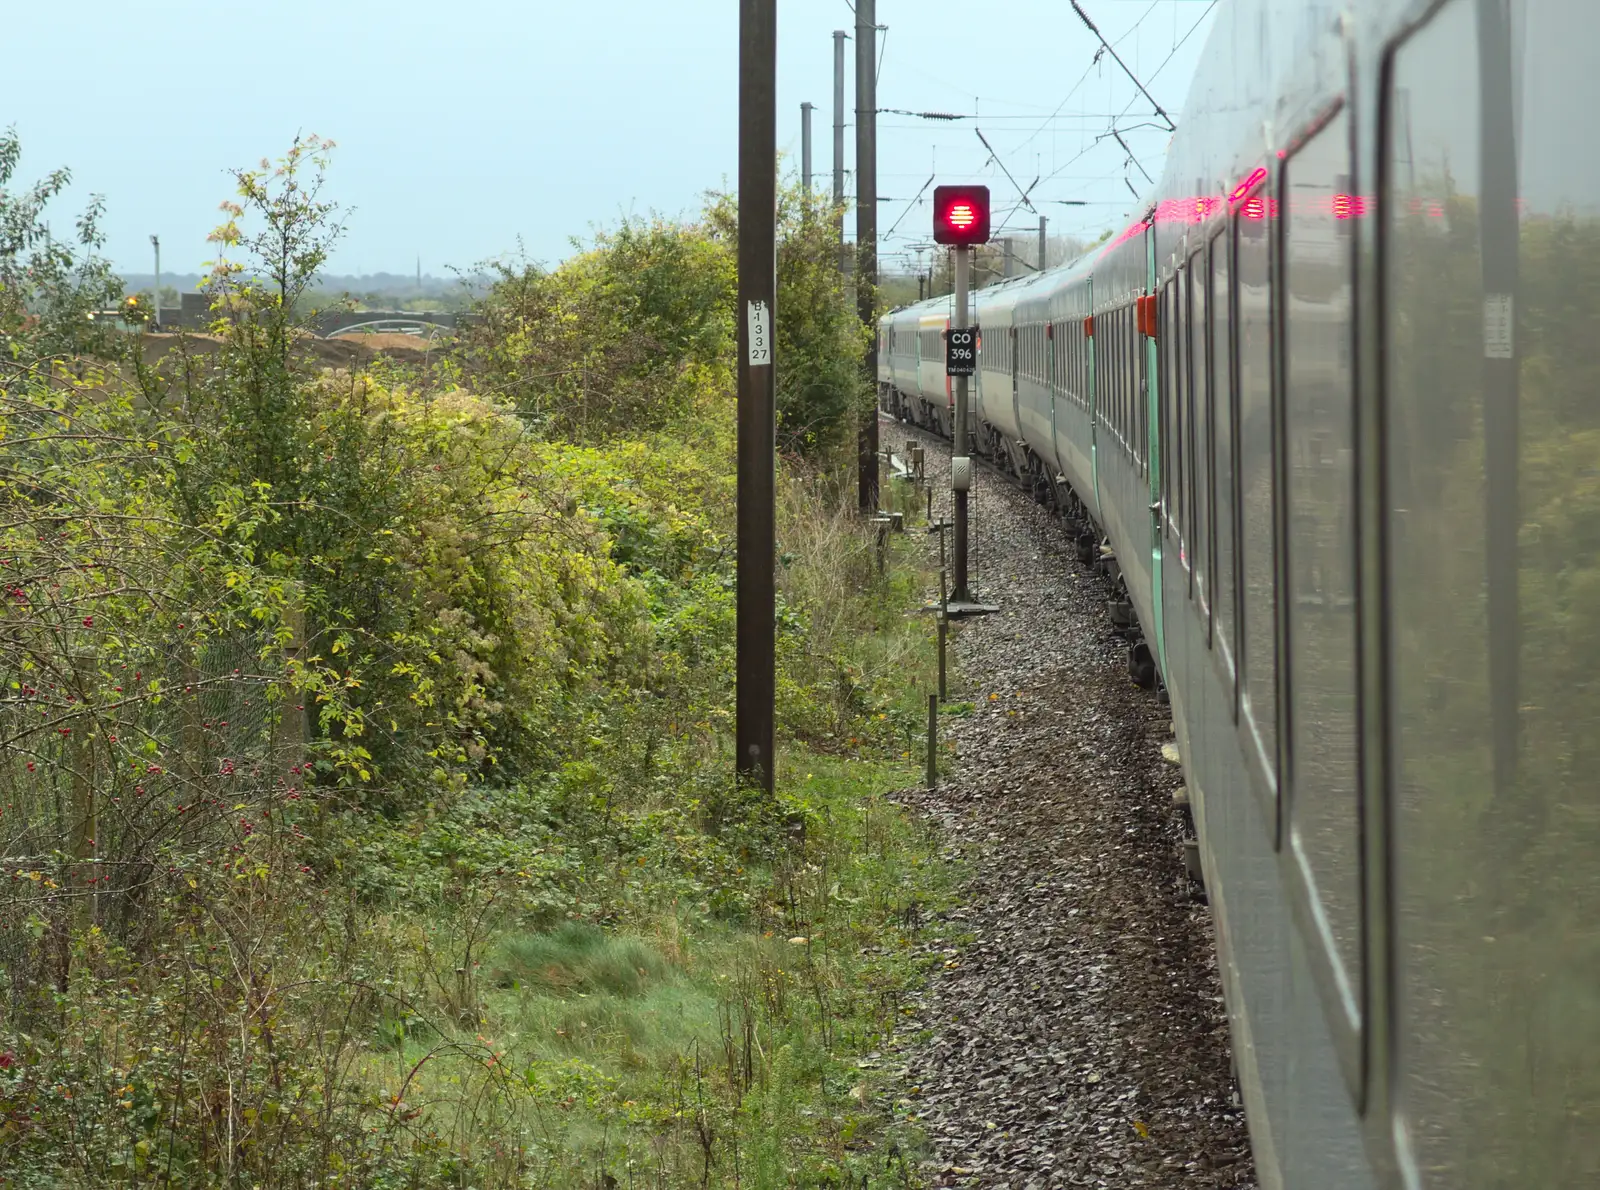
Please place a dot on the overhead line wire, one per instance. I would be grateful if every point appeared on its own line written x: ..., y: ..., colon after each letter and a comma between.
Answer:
x: 995, y: 157
x: 1174, y: 53
x: 1160, y: 111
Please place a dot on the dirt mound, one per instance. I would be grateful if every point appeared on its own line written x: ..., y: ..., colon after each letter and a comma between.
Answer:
x: 347, y: 352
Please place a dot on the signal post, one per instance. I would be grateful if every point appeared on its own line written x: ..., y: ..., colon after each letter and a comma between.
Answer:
x: 961, y: 220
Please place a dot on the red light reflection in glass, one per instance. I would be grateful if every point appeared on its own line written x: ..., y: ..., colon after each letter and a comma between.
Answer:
x: 1244, y: 187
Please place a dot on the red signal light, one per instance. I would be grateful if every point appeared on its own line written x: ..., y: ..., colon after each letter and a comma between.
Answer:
x: 961, y: 215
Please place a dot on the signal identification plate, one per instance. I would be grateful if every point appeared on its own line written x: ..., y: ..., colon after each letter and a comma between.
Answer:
x: 961, y: 351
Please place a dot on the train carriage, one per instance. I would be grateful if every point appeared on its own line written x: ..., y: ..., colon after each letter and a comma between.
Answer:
x: 1330, y: 400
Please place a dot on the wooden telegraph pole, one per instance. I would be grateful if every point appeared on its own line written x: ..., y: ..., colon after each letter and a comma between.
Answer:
x: 756, y: 318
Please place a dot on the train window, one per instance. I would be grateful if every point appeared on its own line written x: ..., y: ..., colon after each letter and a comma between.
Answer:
x: 1492, y: 455
x: 1174, y: 443
x: 1115, y: 361
x: 1224, y: 502
x: 1257, y: 544
x: 1320, y: 569
x: 1109, y: 371
x: 1164, y: 370
x: 1119, y: 370
x: 1199, y: 420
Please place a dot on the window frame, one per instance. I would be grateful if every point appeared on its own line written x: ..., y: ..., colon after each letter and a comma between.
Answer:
x: 1199, y: 268
x: 1265, y: 772
x: 1225, y: 651
x: 1339, y: 991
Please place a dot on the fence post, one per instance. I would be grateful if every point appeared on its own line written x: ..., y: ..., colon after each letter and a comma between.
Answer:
x: 933, y: 741
x: 292, y: 730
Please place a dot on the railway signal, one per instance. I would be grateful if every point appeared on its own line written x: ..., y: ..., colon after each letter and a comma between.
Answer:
x: 961, y: 220
x: 961, y: 215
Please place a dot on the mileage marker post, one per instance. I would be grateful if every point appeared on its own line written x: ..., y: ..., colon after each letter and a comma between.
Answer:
x: 755, y: 630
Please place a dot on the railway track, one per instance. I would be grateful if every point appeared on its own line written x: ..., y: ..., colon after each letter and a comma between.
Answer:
x: 1079, y: 1038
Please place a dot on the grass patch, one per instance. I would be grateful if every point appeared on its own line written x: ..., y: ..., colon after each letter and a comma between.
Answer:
x: 677, y: 1047
x: 579, y: 958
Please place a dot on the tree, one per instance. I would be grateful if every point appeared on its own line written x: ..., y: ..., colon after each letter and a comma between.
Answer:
x: 50, y: 286
x: 821, y: 391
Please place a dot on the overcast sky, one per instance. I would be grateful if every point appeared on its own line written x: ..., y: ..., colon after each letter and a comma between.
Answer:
x: 465, y: 125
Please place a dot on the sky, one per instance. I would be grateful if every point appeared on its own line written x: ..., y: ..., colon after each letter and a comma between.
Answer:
x: 473, y: 129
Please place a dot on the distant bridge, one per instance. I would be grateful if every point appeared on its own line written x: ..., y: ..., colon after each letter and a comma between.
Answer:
x: 332, y: 323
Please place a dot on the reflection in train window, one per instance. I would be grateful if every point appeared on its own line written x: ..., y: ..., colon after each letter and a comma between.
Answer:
x: 1319, y: 442
x: 1199, y: 420
x: 1494, y: 572
x: 1257, y: 546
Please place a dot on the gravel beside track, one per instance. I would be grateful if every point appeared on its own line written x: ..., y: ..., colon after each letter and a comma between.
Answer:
x: 1080, y: 1038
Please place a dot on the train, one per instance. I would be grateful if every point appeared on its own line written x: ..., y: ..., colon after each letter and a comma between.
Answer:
x: 1329, y: 404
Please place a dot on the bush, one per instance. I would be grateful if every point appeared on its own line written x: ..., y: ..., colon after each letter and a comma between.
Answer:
x: 367, y: 735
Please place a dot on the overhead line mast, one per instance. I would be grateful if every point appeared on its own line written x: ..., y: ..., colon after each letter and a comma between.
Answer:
x: 756, y: 602
x: 867, y: 242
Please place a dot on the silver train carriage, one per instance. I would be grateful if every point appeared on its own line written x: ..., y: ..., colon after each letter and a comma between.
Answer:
x: 1334, y: 400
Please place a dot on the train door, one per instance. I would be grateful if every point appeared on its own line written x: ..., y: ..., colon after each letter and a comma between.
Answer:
x: 1051, y: 380
x: 1093, y: 396
x: 1016, y: 365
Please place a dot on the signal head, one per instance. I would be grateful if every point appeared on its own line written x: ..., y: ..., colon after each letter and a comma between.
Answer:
x: 961, y: 215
